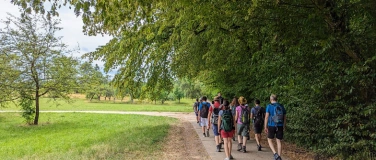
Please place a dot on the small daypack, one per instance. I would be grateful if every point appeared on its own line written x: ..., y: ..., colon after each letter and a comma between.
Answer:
x: 244, y: 115
x: 227, y: 121
x: 258, y: 118
x: 215, y: 115
x: 278, y: 114
x: 204, y: 110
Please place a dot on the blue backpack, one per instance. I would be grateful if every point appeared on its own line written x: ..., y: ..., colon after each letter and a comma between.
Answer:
x: 278, y: 114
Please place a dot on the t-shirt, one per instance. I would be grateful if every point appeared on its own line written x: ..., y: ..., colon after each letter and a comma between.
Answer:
x: 239, y: 110
x: 206, y: 103
x: 233, y: 110
x: 270, y: 109
x: 254, y: 111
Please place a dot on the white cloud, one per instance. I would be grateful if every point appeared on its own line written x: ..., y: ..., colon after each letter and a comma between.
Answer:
x: 72, y: 30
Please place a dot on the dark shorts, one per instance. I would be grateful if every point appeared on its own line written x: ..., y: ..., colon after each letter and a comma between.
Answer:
x: 273, y: 132
x: 215, y: 129
x: 243, y: 130
x: 258, y: 129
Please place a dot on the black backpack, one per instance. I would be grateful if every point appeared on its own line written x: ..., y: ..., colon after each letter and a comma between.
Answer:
x: 204, y: 110
x: 258, y: 118
x: 215, y: 115
x: 227, y: 121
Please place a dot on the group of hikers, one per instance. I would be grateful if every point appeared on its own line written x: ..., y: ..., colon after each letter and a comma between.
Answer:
x: 237, y: 118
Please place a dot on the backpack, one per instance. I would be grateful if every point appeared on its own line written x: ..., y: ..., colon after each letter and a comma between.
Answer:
x: 278, y: 114
x: 258, y: 118
x: 227, y: 121
x: 244, y: 115
x: 204, y: 110
x: 215, y: 115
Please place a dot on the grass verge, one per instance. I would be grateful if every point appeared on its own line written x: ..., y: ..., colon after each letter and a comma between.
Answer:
x: 48, y: 104
x: 83, y: 136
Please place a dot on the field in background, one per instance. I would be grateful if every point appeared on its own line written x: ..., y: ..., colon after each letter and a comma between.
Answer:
x: 79, y: 103
x: 83, y: 136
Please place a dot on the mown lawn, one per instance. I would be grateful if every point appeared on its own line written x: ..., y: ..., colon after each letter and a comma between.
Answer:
x: 48, y: 104
x: 83, y: 136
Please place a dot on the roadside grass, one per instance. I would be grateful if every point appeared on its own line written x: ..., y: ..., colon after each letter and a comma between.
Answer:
x: 79, y: 104
x: 83, y: 136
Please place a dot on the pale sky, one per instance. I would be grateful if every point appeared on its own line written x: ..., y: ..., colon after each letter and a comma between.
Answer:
x: 72, y: 29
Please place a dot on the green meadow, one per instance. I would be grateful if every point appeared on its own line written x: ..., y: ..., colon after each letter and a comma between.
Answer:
x: 77, y: 104
x: 83, y: 136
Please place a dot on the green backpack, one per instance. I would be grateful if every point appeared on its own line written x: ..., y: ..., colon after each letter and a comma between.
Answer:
x: 227, y: 120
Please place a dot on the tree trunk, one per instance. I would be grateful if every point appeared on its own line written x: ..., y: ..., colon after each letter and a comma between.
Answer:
x: 92, y: 97
x: 131, y: 98
x: 179, y: 100
x: 155, y: 101
x: 36, y: 119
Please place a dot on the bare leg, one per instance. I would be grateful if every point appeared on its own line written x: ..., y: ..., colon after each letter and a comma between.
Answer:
x: 239, y: 138
x: 271, y: 145
x: 226, y: 147
x: 279, y: 146
x: 229, y: 145
x: 216, y: 138
x: 257, y: 139
x: 244, y: 140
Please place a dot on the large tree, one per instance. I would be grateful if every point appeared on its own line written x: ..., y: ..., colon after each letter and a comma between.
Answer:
x: 34, y: 62
x: 318, y: 55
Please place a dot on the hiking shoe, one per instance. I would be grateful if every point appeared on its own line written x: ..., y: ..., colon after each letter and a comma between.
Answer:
x: 233, y: 138
x: 259, y: 147
x: 220, y: 146
x: 243, y: 149
x: 204, y: 134
x: 277, y: 157
x: 231, y: 157
x: 207, y: 133
x: 218, y: 149
x: 240, y: 146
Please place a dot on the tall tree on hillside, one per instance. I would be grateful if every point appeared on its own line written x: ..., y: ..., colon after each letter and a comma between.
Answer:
x: 34, y: 62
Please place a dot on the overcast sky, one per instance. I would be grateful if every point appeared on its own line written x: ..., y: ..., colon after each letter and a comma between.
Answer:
x: 72, y: 29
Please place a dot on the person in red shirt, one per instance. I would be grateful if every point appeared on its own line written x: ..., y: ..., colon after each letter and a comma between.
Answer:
x: 213, y: 121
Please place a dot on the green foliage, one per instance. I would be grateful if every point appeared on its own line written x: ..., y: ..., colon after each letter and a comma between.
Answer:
x: 28, y: 110
x: 318, y: 56
x: 33, y: 62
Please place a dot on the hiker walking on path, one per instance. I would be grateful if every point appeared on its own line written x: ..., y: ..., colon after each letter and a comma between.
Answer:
x: 203, y: 111
x: 243, y: 120
x: 219, y: 96
x: 195, y: 108
x: 233, y: 106
x: 275, y: 123
x: 226, y: 122
x: 258, y: 116
x: 213, y: 120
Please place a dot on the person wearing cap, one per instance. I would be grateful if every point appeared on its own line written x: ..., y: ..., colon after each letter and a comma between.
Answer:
x: 242, y: 117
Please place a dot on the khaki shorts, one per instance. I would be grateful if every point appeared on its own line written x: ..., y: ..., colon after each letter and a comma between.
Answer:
x: 243, y: 130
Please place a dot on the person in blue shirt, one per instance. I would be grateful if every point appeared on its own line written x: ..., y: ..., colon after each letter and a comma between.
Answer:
x: 203, y: 112
x: 272, y: 129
